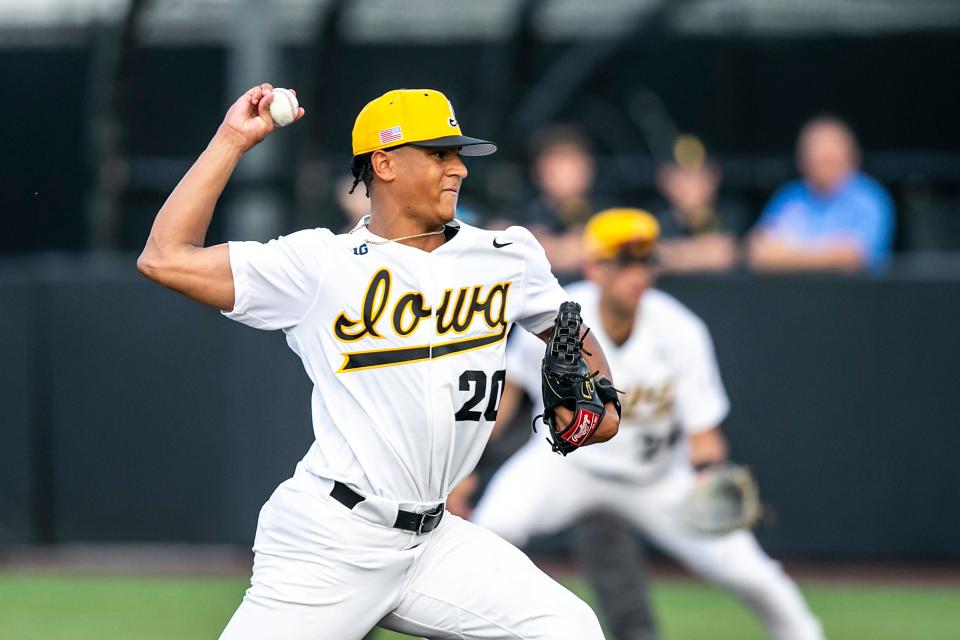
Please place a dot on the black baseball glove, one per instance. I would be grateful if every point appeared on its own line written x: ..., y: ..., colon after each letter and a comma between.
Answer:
x: 567, y: 381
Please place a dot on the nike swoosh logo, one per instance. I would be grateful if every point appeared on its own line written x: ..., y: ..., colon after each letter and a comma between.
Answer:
x: 500, y: 246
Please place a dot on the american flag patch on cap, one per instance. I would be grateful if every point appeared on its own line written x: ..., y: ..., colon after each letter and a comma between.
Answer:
x: 390, y: 135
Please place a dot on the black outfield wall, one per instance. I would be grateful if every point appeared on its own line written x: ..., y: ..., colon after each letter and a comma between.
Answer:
x: 130, y: 414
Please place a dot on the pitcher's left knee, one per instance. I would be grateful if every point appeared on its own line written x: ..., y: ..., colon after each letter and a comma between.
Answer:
x: 571, y: 619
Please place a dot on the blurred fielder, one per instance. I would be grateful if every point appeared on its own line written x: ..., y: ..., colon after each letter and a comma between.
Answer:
x: 669, y: 442
x: 401, y: 325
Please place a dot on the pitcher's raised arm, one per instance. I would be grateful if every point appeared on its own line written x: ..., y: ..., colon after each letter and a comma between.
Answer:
x: 175, y: 255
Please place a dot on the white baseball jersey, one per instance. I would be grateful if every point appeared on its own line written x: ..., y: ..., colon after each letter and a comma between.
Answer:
x: 405, y: 348
x: 668, y: 371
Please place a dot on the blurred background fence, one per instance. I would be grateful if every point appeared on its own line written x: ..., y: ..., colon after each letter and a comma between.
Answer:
x: 130, y: 414
x: 123, y: 94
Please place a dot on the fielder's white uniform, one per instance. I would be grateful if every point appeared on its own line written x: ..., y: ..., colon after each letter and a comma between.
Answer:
x: 406, y: 353
x: 673, y: 389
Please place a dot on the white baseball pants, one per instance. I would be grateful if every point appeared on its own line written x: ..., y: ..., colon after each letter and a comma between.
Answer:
x: 538, y: 492
x: 322, y: 572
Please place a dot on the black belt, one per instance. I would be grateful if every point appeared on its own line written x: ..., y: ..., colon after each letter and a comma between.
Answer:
x: 407, y: 520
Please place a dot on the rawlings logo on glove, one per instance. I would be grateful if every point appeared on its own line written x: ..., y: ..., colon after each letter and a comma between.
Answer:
x: 584, y: 425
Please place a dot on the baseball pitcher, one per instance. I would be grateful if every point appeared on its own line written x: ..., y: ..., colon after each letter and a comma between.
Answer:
x: 401, y: 326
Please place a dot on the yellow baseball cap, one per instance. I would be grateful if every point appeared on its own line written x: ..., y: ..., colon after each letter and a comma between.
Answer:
x: 422, y: 117
x: 614, y: 232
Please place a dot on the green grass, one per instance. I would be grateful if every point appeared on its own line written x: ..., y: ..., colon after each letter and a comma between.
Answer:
x: 184, y: 608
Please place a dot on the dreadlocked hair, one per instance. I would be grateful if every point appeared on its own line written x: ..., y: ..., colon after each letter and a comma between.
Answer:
x: 362, y: 170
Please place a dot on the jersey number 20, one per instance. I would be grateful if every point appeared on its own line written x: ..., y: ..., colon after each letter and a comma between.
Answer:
x: 478, y: 381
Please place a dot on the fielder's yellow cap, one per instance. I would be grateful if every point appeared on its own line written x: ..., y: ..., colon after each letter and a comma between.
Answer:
x: 423, y: 117
x: 613, y: 232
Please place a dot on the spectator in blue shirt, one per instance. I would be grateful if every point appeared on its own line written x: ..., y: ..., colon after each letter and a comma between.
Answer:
x: 835, y: 218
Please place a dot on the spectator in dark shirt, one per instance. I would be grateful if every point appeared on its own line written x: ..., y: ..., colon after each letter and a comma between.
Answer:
x: 834, y: 218
x: 697, y: 233
x: 563, y: 172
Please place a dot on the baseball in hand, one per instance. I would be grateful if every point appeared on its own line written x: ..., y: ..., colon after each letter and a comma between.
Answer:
x: 283, y: 109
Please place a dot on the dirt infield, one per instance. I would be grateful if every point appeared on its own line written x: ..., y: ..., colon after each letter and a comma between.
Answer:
x: 231, y: 560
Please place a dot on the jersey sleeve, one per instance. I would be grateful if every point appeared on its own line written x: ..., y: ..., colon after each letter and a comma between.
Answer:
x: 542, y: 294
x: 275, y: 283
x: 702, y: 402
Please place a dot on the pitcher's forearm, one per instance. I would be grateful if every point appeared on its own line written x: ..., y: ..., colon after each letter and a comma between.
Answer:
x: 594, y: 357
x: 185, y: 216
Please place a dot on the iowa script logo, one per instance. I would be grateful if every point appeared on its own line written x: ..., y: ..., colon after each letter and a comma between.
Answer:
x: 459, y: 310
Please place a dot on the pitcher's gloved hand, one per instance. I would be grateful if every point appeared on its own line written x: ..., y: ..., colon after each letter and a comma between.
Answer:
x: 567, y: 382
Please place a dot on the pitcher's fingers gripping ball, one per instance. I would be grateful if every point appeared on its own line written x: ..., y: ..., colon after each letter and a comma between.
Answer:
x: 284, y: 107
x: 568, y: 382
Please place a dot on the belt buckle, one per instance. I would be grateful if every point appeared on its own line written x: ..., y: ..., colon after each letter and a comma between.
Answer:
x: 436, y: 512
